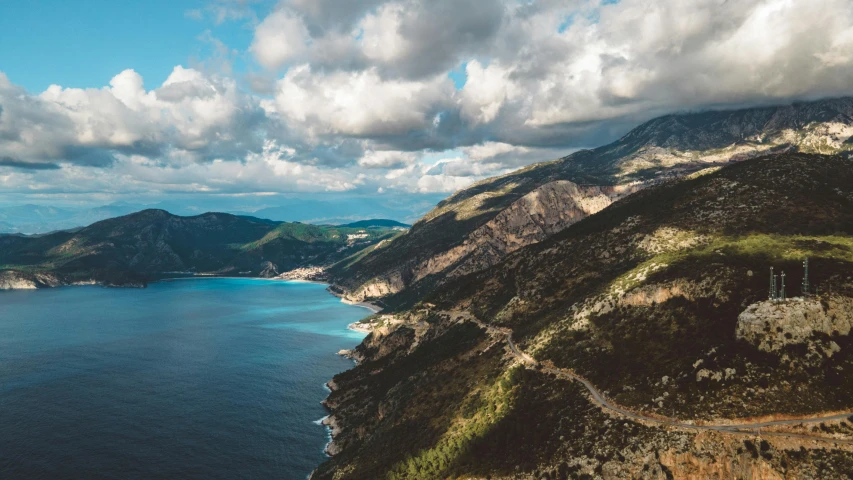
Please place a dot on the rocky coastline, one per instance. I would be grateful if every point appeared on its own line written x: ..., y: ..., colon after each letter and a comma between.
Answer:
x: 16, y: 280
x: 331, y: 422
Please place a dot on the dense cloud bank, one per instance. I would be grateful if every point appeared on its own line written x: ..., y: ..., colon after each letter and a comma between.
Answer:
x: 360, y: 95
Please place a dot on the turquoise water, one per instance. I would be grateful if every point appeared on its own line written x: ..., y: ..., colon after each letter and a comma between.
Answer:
x: 196, y: 378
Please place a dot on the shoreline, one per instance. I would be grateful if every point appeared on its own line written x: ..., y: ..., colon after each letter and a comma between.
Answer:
x: 91, y: 282
x: 360, y: 327
x: 368, y: 305
x: 330, y: 421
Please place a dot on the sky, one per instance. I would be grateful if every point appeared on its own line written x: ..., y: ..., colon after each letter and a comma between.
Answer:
x: 104, y: 101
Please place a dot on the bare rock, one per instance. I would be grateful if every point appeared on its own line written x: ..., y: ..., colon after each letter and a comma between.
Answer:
x: 772, y: 325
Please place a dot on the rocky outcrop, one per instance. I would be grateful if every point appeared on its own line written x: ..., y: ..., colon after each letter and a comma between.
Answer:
x: 14, y: 280
x: 770, y: 325
x: 536, y: 216
x: 378, y: 287
x: 268, y: 270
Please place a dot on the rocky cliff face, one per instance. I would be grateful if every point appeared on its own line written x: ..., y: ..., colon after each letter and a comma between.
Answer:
x: 534, y: 217
x: 12, y: 280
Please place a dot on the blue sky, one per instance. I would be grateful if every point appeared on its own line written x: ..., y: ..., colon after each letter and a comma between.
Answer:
x: 85, y: 43
x: 43, y: 42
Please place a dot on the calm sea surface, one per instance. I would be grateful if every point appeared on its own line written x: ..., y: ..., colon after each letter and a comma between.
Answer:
x: 198, y: 378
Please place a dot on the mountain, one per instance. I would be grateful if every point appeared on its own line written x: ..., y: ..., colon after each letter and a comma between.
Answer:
x: 89, y: 216
x: 40, y: 219
x: 152, y: 243
x: 7, y: 228
x: 481, y: 225
x: 377, y: 223
x: 349, y: 208
x: 32, y: 214
x: 660, y: 303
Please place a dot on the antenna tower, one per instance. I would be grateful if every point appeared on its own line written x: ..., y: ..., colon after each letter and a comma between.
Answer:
x: 772, y: 285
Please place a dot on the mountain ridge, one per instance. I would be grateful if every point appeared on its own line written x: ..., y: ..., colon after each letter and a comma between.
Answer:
x: 667, y: 147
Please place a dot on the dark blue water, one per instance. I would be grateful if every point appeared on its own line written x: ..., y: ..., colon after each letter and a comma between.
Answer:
x: 200, y: 378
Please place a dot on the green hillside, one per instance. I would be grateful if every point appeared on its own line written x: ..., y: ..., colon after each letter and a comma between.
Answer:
x: 643, y: 299
x: 153, y: 243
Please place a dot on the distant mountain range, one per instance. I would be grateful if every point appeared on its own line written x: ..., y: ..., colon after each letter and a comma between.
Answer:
x: 39, y: 219
x: 376, y: 223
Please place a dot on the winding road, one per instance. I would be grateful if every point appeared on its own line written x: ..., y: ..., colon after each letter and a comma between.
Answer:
x: 745, y: 428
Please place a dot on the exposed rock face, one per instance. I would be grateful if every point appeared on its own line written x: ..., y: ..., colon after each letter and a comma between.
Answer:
x: 12, y: 280
x: 711, y: 458
x: 536, y: 216
x: 268, y: 270
x: 541, y: 213
x: 771, y: 325
x: 378, y: 287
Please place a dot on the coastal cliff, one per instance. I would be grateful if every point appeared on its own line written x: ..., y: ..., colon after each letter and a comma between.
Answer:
x: 655, y: 301
x: 12, y: 280
x: 15, y: 280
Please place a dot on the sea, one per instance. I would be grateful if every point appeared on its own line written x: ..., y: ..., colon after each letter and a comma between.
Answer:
x: 210, y: 378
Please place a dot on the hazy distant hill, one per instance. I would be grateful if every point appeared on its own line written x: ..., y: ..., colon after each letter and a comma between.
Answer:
x: 382, y: 223
x: 346, y: 209
x: 37, y: 219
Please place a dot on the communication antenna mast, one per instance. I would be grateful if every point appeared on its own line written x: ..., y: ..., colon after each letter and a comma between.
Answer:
x: 776, y: 287
x: 772, y: 285
x: 806, y: 277
x: 782, y: 292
